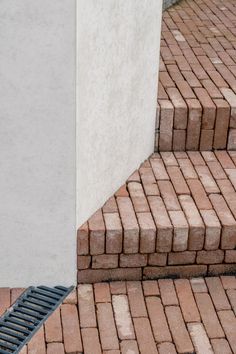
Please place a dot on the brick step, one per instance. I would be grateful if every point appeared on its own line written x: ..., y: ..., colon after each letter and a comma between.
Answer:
x: 197, y: 83
x: 175, y: 216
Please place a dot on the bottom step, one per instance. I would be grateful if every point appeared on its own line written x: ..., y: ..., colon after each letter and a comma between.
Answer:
x: 174, y: 217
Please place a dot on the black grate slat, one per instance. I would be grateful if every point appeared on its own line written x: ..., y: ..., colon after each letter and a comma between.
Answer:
x: 26, y: 316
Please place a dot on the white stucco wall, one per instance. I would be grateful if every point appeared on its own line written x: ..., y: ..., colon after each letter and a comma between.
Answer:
x: 37, y: 142
x: 117, y: 66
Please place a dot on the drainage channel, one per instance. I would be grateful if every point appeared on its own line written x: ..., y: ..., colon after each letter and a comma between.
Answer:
x: 26, y: 316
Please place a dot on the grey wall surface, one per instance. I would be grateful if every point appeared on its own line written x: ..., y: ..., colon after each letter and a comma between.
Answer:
x: 168, y: 3
x: 117, y: 75
x: 37, y: 142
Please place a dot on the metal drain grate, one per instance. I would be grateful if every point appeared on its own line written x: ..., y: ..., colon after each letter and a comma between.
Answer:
x: 26, y: 316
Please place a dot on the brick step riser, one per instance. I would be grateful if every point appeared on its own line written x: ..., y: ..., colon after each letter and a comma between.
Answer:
x: 176, y: 215
x: 189, y: 133
x: 197, y: 79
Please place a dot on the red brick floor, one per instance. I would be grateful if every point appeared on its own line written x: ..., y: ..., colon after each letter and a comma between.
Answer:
x: 175, y: 216
x: 149, y: 317
x: 197, y: 82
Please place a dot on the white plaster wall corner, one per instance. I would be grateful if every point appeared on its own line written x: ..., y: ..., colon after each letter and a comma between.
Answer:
x: 117, y: 68
x: 37, y: 142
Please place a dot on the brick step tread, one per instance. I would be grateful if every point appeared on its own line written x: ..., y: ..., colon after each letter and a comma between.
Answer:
x: 166, y: 316
x: 197, y: 80
x: 175, y: 202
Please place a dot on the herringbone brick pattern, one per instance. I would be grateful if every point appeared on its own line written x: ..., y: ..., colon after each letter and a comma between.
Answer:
x: 149, y: 317
x: 197, y: 81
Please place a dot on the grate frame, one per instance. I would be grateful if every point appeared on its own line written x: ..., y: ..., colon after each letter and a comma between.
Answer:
x: 25, y: 317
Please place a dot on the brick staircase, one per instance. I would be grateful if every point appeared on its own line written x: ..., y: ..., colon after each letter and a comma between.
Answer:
x: 176, y: 215
x: 197, y: 82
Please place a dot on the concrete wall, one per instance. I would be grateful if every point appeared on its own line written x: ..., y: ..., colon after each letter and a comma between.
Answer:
x: 117, y: 66
x: 118, y: 53
x: 37, y: 142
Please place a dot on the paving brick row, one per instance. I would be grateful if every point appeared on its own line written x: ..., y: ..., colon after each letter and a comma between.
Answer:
x: 188, y: 220
x: 197, y: 79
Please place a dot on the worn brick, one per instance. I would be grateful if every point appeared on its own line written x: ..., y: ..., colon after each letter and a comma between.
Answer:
x: 166, y: 125
x: 118, y: 287
x: 114, y: 233
x: 187, y: 303
x: 213, y: 229
x: 209, y: 316
x: 133, y: 260
x: 147, y: 232
x: 180, y: 108
x: 194, y: 124
x: 157, y: 259
x: 166, y: 348
x: 102, y: 292
x: 179, y: 139
x: 199, y: 338
x: 230, y: 256
x: 187, y: 169
x: 217, y: 293
x: 91, y: 341
x: 178, y: 180
x: 53, y: 329
x: 136, y: 299
x: 129, y: 346
x: 198, y: 285
x: 83, y: 262
x: 5, y: 297
x: 83, y: 240
x: 130, y: 225
x: 199, y: 195
x: 178, y: 330
x: 228, y: 321
x: 186, y: 257
x: 181, y: 230
x: 221, y: 124
x: 145, y: 338
x: 186, y: 271
x: 210, y: 257
x: 209, y: 109
x: 167, y: 291
x: 228, y: 238
x: 100, y: 275
x: 97, y: 233
x: 207, y: 179
x: 71, y: 329
x: 37, y: 343
x: 122, y: 315
x: 110, y: 206
x: 158, y: 320
x: 105, y: 261
x: 55, y: 348
x: 169, y: 196
x: 138, y: 197
x: 106, y: 325
x: 150, y: 288
x: 221, y: 346
x: 228, y: 282
x: 159, y: 169
x: 197, y: 228
x: 86, y: 306
x: 163, y: 224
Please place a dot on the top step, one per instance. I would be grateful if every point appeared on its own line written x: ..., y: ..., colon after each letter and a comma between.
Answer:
x: 197, y: 81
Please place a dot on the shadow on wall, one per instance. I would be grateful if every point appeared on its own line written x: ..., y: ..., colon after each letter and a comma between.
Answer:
x: 168, y: 3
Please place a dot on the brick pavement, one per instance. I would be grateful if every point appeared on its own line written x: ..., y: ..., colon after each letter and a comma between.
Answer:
x: 150, y: 317
x: 197, y: 81
x: 175, y: 216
